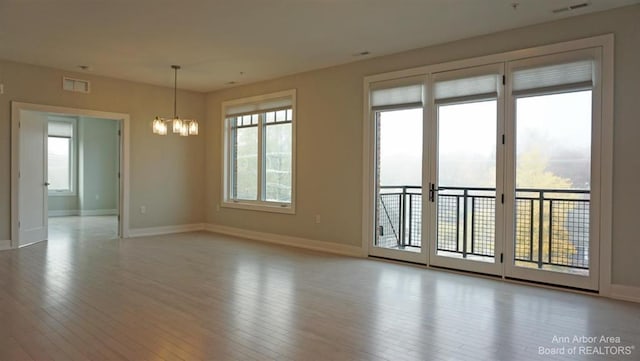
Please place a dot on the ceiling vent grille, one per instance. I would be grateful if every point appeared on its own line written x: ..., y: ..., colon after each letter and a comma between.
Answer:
x: 75, y: 85
x: 571, y: 7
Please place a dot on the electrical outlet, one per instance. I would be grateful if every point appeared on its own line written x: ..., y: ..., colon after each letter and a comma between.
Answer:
x: 317, y: 219
x: 143, y: 209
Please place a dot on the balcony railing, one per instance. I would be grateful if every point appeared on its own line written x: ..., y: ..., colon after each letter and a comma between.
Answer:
x: 552, y: 226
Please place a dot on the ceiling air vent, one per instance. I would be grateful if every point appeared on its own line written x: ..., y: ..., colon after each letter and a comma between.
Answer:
x: 571, y: 7
x: 75, y: 85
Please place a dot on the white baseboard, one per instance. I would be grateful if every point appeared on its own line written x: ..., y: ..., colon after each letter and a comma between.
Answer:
x: 625, y: 293
x: 157, y: 231
x: 99, y: 212
x: 5, y: 244
x: 329, y: 247
x: 64, y: 213
x: 80, y: 212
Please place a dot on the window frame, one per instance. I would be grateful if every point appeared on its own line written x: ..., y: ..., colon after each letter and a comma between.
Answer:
x: 228, y: 201
x: 73, y: 161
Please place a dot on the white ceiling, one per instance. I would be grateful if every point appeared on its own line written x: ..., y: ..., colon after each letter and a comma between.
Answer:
x: 215, y: 40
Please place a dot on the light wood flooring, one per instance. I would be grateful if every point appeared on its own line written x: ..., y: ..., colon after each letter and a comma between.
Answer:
x: 85, y: 228
x: 202, y: 296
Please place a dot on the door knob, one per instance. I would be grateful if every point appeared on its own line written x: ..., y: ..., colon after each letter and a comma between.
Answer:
x: 46, y: 184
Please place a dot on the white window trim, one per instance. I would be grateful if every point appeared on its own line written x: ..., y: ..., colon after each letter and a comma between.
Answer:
x: 265, y: 206
x: 73, y: 176
x: 606, y: 113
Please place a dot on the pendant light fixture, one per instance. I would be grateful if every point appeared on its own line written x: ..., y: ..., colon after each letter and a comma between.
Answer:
x: 183, y: 127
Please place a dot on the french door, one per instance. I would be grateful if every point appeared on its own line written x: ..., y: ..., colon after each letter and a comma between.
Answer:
x: 493, y: 169
x: 553, y: 147
x: 466, y: 184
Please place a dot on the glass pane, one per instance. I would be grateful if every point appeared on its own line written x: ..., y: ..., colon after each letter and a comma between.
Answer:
x: 271, y: 117
x: 246, y: 164
x: 59, y: 166
x: 553, y: 181
x: 467, y: 180
x: 278, y: 162
x: 399, y: 213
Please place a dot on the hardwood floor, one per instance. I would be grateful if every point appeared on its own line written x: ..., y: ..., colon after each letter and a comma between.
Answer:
x: 202, y: 296
x: 86, y: 228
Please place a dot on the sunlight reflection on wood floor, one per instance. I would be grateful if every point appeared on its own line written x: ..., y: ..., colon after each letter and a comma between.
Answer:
x: 204, y: 296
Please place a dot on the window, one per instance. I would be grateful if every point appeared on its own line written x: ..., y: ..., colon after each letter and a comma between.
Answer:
x: 60, y: 157
x: 260, y: 152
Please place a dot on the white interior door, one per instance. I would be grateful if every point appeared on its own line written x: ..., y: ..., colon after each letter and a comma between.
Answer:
x: 33, y: 193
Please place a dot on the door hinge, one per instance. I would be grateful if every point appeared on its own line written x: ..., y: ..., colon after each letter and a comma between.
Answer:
x: 503, y: 138
x: 18, y: 224
x: 432, y: 192
x: 501, y: 257
x: 119, y: 132
x: 380, y: 230
x: 118, y: 175
x: 502, y: 198
x: 504, y: 79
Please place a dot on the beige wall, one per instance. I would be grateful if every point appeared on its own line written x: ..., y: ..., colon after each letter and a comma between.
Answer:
x: 166, y: 172
x: 329, y: 134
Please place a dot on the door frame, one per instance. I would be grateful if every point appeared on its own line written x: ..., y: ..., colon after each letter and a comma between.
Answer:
x: 123, y: 197
x: 605, y: 42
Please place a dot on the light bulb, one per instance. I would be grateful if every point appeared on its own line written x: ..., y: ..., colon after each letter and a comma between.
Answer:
x: 193, y: 128
x: 177, y: 125
x: 184, y: 130
x: 157, y: 126
x: 163, y: 128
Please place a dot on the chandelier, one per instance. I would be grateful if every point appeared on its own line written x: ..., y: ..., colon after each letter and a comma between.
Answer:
x: 184, y: 127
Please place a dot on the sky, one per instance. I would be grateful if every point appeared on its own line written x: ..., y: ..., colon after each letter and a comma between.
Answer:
x: 557, y: 125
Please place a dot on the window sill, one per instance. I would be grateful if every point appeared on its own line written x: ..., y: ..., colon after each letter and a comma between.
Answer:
x: 260, y: 206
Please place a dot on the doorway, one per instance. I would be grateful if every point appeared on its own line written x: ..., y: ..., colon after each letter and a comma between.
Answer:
x: 69, y: 174
x: 82, y: 171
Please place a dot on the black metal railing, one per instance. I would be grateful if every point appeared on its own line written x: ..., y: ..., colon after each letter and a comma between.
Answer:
x: 552, y: 226
x: 399, y: 217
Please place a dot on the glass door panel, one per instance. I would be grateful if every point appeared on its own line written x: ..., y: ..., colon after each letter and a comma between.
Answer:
x: 466, y: 181
x: 399, y: 184
x: 553, y: 182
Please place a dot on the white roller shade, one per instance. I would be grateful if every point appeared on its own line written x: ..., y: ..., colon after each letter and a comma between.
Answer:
x: 397, y: 96
x: 60, y: 129
x: 471, y: 87
x: 577, y: 74
x: 260, y: 106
